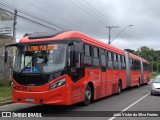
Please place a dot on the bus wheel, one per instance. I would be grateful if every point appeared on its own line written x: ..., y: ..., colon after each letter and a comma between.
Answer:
x: 138, y: 85
x: 88, y: 96
x: 119, y: 88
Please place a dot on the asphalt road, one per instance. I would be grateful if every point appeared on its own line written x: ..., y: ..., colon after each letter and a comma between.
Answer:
x: 133, y: 99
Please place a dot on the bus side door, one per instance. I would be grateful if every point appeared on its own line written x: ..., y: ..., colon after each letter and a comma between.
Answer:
x: 103, y: 73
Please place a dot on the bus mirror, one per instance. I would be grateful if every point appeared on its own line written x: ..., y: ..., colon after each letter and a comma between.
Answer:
x: 5, y: 56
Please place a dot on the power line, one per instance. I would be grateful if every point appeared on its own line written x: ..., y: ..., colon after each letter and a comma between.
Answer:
x: 91, y: 12
x: 55, y: 12
x: 31, y: 15
x: 30, y: 20
x: 84, y: 8
x: 97, y: 12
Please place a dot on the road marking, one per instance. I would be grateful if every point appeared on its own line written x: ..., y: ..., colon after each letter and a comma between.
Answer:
x: 130, y: 105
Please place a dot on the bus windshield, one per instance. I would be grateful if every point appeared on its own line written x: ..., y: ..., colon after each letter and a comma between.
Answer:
x: 40, y: 58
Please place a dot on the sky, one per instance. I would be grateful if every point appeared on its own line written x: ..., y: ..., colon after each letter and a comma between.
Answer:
x: 92, y: 18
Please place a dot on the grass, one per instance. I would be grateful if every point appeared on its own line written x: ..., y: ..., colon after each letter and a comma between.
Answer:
x: 5, y: 94
x: 154, y: 74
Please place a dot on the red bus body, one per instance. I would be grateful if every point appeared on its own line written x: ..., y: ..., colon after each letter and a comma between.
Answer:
x: 103, y: 82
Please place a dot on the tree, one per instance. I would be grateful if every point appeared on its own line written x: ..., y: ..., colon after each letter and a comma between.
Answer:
x: 129, y: 50
x: 150, y: 55
x: 26, y: 34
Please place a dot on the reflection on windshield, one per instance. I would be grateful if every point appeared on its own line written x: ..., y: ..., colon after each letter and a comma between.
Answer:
x: 40, y: 60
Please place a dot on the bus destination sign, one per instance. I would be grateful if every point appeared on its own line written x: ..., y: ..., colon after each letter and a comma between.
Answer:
x: 42, y: 47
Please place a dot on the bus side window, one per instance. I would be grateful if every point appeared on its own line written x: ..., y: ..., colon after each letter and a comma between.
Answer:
x: 110, y: 64
x: 87, y: 56
x: 103, y: 62
x: 102, y: 59
x: 106, y: 54
x: 79, y: 47
x: 119, y: 62
x: 79, y: 52
x: 95, y: 57
x: 123, y: 62
x: 70, y: 50
x: 115, y: 60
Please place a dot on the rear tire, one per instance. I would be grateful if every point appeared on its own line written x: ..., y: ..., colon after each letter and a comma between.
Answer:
x: 88, y: 96
x: 138, y: 85
x: 119, y: 88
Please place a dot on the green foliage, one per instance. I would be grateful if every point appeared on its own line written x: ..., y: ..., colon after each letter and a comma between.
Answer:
x: 154, y: 74
x: 26, y: 34
x: 5, y: 83
x: 5, y: 94
x: 151, y: 56
x: 129, y: 50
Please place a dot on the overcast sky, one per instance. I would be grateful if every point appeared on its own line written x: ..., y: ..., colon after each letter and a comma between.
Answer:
x: 92, y: 17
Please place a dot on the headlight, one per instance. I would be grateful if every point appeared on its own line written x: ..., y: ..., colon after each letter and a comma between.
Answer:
x: 58, y: 83
x: 12, y: 84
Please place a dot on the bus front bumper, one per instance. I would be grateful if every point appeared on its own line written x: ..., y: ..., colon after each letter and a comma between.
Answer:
x: 56, y: 97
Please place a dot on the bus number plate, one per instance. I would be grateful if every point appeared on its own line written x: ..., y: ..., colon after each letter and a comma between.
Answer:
x: 20, y: 88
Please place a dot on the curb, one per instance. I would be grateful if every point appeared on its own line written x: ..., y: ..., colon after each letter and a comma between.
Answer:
x: 7, y: 102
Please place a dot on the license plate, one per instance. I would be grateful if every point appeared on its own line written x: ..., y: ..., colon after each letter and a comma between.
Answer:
x: 29, y: 99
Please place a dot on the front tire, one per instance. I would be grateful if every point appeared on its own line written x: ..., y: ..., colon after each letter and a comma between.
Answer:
x: 88, y: 96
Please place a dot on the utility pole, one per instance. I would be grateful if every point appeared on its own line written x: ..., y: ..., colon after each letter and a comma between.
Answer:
x: 14, y: 25
x: 14, y: 30
x: 109, y: 37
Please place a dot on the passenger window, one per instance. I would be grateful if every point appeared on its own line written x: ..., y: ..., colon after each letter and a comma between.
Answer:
x: 103, y: 63
x: 87, y: 56
x: 109, y: 56
x: 119, y: 62
x: 87, y: 50
x: 103, y: 60
x: 114, y: 57
x: 110, y: 63
x: 95, y: 57
x: 95, y: 52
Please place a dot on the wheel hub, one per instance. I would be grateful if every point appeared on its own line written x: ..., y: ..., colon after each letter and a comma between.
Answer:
x: 88, y: 94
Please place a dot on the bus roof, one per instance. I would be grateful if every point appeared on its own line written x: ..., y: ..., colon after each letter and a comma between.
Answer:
x: 61, y: 35
x: 41, y: 37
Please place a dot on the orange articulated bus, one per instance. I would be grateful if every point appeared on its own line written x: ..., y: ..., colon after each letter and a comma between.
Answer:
x: 69, y: 67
